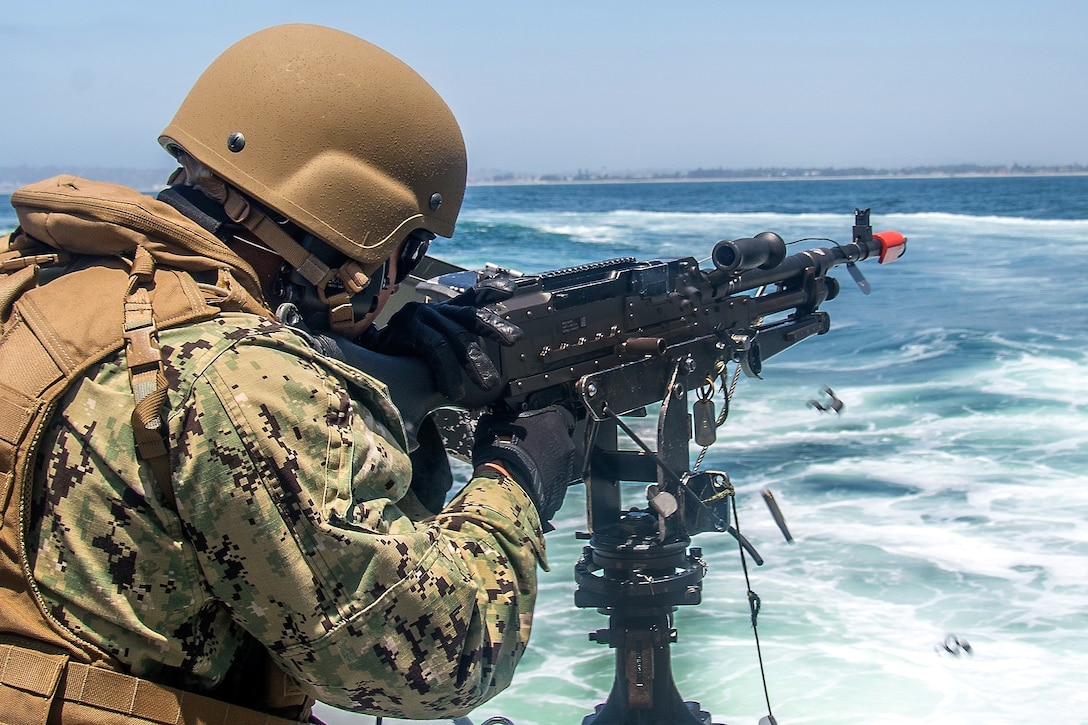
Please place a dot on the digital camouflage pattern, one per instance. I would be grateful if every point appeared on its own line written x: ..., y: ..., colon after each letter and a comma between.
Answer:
x: 294, y: 524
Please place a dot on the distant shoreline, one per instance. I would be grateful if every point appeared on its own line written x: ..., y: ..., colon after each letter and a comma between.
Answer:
x: 153, y: 180
x: 730, y: 179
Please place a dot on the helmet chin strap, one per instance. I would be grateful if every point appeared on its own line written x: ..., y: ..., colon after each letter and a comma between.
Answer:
x: 351, y: 275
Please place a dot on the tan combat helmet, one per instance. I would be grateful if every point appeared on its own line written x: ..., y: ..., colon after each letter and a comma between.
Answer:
x: 331, y: 132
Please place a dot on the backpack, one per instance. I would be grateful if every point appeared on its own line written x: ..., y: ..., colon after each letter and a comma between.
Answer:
x: 140, y: 260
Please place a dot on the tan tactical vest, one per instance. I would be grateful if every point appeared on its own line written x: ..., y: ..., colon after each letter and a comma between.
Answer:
x: 49, y: 336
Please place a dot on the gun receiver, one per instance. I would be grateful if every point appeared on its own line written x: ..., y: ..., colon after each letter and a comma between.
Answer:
x: 607, y: 333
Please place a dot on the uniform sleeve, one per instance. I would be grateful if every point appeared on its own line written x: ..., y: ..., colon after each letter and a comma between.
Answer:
x: 295, y: 497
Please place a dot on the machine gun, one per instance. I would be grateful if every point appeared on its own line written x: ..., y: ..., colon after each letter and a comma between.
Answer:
x: 608, y: 339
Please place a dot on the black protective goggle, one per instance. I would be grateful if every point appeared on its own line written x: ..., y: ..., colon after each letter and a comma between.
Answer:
x: 412, y: 253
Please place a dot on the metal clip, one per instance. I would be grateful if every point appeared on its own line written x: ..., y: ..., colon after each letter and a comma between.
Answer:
x: 705, y: 416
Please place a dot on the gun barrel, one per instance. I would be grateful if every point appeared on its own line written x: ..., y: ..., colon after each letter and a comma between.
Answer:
x: 887, y: 245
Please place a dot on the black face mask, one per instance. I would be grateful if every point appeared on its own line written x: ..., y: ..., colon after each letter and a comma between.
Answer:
x: 293, y: 288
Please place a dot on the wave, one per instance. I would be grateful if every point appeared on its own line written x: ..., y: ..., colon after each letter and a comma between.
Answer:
x: 621, y: 227
x: 633, y: 216
x: 1016, y: 251
x: 951, y: 218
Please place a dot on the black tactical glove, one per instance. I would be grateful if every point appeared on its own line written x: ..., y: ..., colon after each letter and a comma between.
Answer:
x: 535, y: 448
x: 447, y: 336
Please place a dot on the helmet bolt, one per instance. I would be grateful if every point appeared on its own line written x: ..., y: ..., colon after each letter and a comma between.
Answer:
x: 236, y: 142
x: 436, y: 201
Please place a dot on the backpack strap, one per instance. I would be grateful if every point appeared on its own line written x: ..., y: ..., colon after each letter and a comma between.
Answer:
x: 146, y: 374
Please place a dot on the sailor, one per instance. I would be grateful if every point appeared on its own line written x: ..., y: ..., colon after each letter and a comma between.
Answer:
x: 205, y: 519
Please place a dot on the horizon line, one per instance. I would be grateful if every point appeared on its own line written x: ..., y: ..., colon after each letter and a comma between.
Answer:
x: 154, y: 178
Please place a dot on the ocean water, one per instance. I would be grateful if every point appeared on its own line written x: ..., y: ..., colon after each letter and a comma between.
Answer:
x: 948, y: 499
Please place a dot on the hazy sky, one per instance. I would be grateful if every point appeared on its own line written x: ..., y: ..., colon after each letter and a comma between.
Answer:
x: 599, y: 85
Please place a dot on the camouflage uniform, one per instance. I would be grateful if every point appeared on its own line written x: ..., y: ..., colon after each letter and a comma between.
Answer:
x: 294, y: 528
